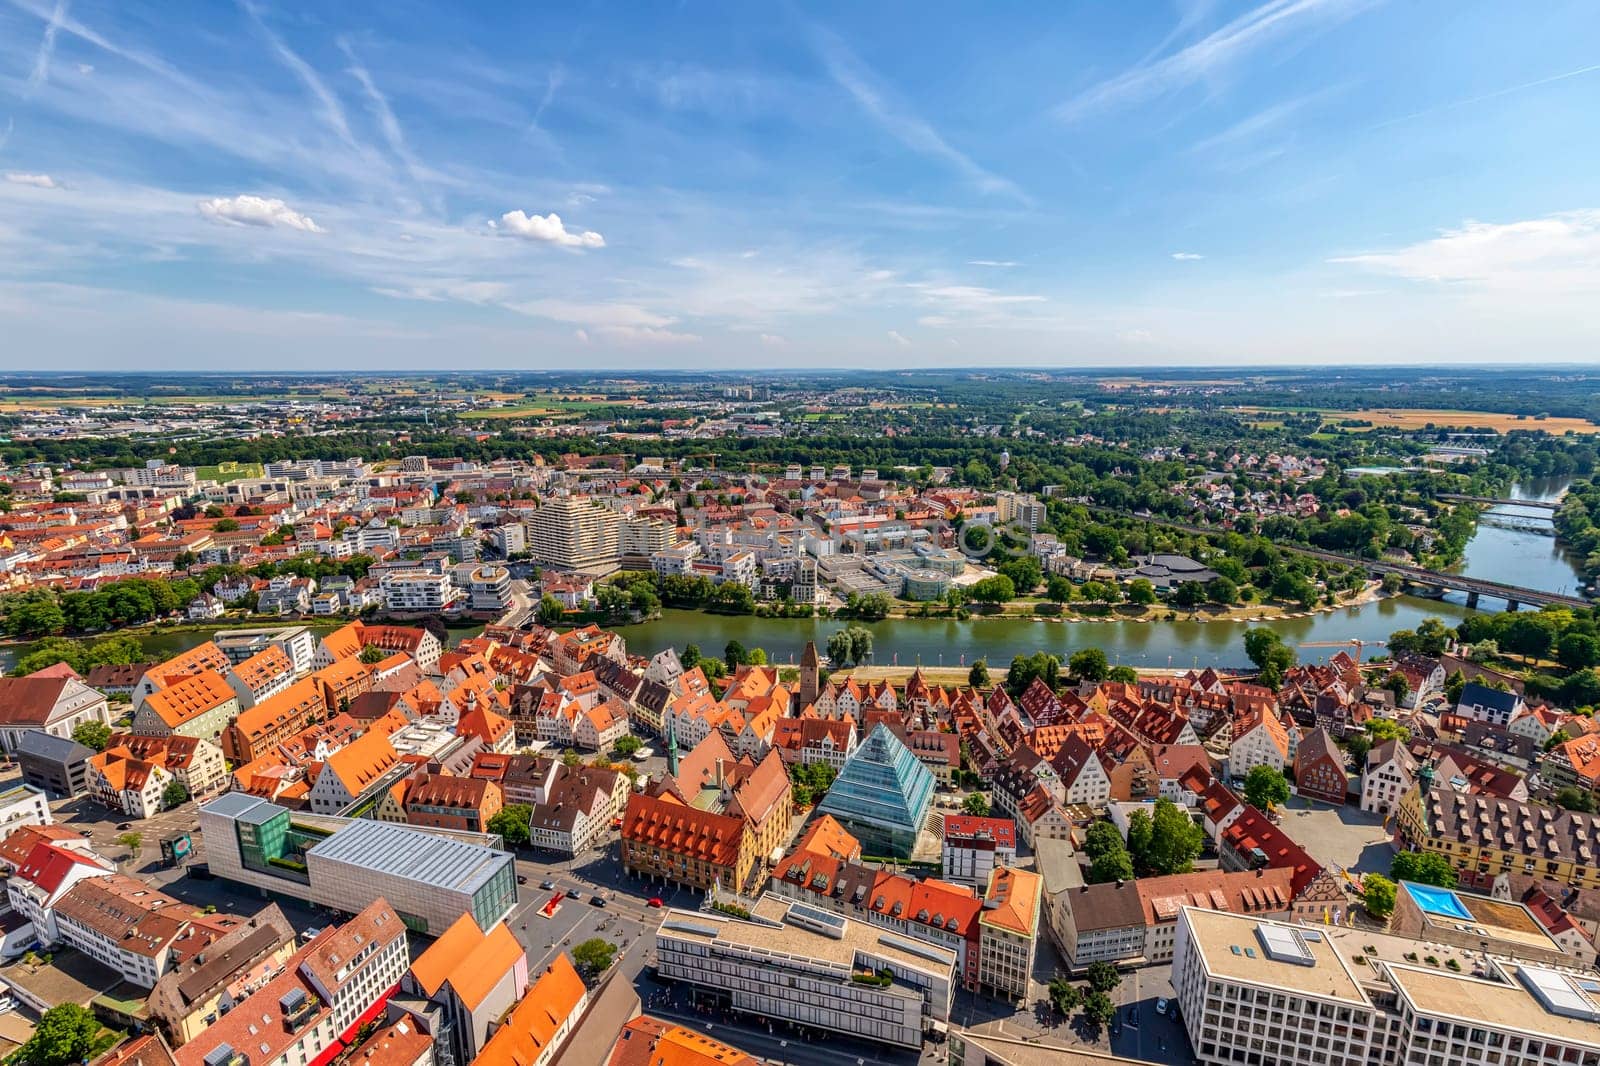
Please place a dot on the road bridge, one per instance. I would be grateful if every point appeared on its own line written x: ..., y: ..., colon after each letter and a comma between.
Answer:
x: 1514, y: 595
x: 1539, y: 505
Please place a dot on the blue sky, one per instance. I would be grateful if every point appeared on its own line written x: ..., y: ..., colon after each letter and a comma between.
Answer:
x: 273, y: 186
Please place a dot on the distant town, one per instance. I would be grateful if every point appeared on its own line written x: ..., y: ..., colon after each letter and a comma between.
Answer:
x: 691, y: 719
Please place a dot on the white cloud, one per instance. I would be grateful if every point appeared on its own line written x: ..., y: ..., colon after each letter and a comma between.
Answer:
x: 256, y: 211
x: 1187, y: 257
x: 647, y: 335
x: 1135, y: 336
x: 895, y: 336
x: 1203, y: 59
x: 38, y: 181
x: 991, y: 262
x: 85, y: 68
x: 548, y: 228
x: 598, y: 315
x: 1555, y: 254
x: 772, y: 340
x: 973, y: 297
x: 582, y: 335
x: 472, y: 292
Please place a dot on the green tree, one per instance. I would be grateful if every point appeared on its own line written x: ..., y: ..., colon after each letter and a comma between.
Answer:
x: 372, y: 654
x: 1378, y: 895
x: 1127, y: 675
x: 1357, y: 745
x: 1058, y: 589
x: 93, y: 735
x: 1103, y: 976
x: 551, y: 611
x: 1266, y: 649
x: 174, y: 795
x: 593, y: 957
x: 1141, y: 591
x: 1423, y: 868
x: 1576, y: 651
x: 733, y: 654
x: 1088, y: 664
x: 995, y: 589
x: 512, y: 823
x: 1221, y: 590
x: 1453, y: 686
x: 978, y: 676
x: 1098, y: 1010
x: 1064, y: 995
x: 34, y: 614
x: 628, y: 746
x: 1025, y: 668
x: 1397, y: 684
x: 65, y: 1034
x: 1382, y: 729
x: 808, y: 782
x: 1175, y: 841
x: 1575, y: 799
x: 1265, y: 788
x: 690, y: 656
x: 1189, y: 594
x: 133, y: 841
x: 1112, y: 866
x: 976, y: 804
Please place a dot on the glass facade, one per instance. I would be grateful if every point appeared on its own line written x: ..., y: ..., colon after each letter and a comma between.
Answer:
x: 882, y: 795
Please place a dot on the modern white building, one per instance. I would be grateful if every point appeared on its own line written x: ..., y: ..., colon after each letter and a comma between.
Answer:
x: 1262, y: 993
x: 298, y: 642
x: 431, y: 877
x: 22, y: 804
x: 488, y: 588
x: 793, y: 962
x: 416, y: 590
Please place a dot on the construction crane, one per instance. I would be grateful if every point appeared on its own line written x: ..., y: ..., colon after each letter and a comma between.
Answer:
x: 1358, y: 645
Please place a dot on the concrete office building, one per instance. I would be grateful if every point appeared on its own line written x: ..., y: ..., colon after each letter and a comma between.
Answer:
x: 431, y: 878
x: 793, y: 962
x: 1260, y: 993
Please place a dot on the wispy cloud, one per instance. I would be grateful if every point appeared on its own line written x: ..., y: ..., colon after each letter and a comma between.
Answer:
x: 992, y: 262
x: 257, y: 211
x: 772, y: 340
x: 47, y: 49
x: 894, y: 335
x: 547, y: 228
x: 1555, y: 254
x: 902, y: 123
x: 388, y: 124
x: 1198, y: 61
x: 332, y: 111
x: 1187, y: 257
x: 1485, y: 97
x: 38, y: 181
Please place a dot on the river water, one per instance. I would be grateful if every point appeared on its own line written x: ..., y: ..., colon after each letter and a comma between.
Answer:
x: 1496, y: 552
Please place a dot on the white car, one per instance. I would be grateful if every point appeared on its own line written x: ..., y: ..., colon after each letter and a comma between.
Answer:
x: 1161, y: 1006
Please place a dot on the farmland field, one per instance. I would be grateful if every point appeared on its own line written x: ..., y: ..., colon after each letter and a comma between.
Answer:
x: 1403, y: 418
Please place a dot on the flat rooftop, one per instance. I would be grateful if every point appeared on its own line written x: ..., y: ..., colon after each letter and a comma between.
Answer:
x: 1492, y: 919
x: 1507, y: 1005
x: 1233, y: 951
x: 402, y: 851
x: 787, y: 937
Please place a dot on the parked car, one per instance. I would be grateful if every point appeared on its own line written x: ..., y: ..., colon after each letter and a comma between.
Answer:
x: 1161, y: 1006
x: 573, y: 893
x: 547, y: 885
x: 597, y: 901
x: 654, y: 901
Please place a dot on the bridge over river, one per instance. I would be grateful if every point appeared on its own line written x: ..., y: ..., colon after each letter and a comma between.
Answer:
x: 1538, y: 505
x: 1514, y: 595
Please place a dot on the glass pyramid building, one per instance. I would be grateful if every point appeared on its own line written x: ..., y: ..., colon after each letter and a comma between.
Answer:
x: 882, y: 795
